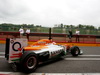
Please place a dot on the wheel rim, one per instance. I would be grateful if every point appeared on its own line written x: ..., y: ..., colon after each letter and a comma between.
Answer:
x: 31, y: 62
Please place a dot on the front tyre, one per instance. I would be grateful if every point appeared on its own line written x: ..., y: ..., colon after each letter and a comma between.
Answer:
x: 29, y: 62
x: 75, y: 51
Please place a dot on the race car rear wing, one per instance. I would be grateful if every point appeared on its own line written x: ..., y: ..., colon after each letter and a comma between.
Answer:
x: 13, y: 48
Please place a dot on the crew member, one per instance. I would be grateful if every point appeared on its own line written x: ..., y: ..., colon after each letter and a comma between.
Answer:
x: 28, y: 33
x: 21, y: 30
x: 77, y: 35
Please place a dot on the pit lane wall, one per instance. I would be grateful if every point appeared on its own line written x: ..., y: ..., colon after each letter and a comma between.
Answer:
x: 84, y: 40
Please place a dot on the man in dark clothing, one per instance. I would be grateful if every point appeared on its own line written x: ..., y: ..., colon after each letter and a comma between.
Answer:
x: 70, y: 34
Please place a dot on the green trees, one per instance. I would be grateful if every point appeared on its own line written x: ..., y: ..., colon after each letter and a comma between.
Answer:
x: 58, y: 28
x: 84, y: 29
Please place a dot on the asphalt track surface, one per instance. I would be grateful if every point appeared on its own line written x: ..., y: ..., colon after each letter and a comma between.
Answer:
x: 89, y: 62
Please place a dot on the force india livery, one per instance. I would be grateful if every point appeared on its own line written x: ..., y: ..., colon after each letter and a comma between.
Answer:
x: 28, y: 57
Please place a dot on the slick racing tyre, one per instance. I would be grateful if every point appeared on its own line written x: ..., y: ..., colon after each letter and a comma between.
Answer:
x: 75, y: 51
x: 29, y: 62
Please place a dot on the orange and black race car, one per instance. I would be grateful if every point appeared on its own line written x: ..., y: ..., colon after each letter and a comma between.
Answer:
x: 28, y: 57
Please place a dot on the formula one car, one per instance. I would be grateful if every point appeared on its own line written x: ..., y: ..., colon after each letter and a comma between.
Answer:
x: 18, y: 52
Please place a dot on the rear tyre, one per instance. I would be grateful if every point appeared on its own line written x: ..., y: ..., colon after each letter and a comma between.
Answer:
x: 75, y: 51
x: 29, y: 62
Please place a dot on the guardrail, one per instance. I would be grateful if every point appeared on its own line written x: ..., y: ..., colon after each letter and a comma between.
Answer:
x: 55, y: 36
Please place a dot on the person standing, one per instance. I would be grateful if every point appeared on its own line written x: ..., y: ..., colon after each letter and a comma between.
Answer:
x: 28, y: 33
x: 70, y: 35
x: 21, y: 30
x: 77, y: 35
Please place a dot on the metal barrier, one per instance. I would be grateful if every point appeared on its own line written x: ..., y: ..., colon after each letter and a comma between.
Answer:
x: 55, y: 36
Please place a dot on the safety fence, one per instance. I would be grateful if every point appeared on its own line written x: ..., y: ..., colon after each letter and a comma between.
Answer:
x: 55, y: 37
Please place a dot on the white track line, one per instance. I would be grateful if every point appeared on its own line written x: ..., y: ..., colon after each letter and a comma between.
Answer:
x: 69, y: 55
x: 2, y: 56
x: 75, y: 58
x: 2, y: 52
x: 18, y: 73
x: 93, y: 59
x: 89, y: 55
x: 6, y: 73
x: 71, y: 74
x: 86, y: 55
